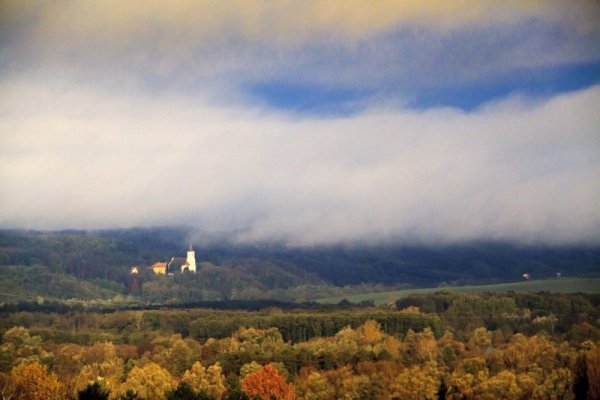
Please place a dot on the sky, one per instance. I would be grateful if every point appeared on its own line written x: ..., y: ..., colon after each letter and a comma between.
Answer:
x: 304, y: 122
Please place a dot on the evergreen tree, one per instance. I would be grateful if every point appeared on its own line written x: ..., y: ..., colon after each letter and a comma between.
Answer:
x: 94, y: 391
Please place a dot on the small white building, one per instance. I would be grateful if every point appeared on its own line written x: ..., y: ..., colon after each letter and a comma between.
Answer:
x: 190, y: 262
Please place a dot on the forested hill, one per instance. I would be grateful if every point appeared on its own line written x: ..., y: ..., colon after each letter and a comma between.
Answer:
x: 107, y: 255
x: 424, y: 266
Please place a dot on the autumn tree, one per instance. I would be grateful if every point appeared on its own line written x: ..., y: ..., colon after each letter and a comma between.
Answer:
x: 101, y: 362
x: 18, y: 347
x: 418, y: 382
x: 98, y: 352
x: 351, y: 386
x: 481, y: 339
x: 593, y: 372
x: 177, y: 357
x: 370, y: 332
x: 67, y: 359
x: 313, y: 385
x: 557, y: 385
x: 210, y: 381
x: 421, y: 347
x: 267, y: 383
x: 32, y: 382
x: 502, y: 386
x: 150, y: 382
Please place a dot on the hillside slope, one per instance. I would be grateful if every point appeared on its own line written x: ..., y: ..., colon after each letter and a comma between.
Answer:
x: 102, y: 260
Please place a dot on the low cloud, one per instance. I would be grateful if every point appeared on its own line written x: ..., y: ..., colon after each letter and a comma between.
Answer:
x: 515, y: 170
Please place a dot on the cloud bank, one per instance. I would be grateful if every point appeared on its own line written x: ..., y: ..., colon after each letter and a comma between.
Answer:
x: 512, y: 170
x: 118, y: 114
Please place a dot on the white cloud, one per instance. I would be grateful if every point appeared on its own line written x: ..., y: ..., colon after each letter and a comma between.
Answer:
x: 72, y: 156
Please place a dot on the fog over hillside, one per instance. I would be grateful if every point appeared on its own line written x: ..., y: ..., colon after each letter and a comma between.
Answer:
x: 411, y: 124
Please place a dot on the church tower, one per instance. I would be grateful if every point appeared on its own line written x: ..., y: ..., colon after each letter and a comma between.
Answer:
x: 190, y: 263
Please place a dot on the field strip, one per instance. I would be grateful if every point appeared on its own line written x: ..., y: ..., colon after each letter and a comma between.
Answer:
x: 562, y: 285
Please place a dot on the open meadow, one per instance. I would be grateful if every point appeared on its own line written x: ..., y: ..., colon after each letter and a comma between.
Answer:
x: 562, y: 285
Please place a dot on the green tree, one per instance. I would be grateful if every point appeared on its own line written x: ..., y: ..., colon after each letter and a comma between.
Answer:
x: 185, y: 392
x: 94, y: 391
x: 18, y: 347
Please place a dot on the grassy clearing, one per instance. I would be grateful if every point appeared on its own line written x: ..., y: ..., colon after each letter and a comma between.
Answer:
x: 562, y: 285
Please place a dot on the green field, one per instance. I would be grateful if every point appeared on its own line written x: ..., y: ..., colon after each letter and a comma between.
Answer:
x: 562, y: 285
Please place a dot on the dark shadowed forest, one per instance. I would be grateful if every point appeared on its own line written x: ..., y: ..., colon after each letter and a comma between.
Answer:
x: 96, y: 265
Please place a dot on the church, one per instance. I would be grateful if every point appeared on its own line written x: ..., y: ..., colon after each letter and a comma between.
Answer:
x: 176, y: 263
x: 182, y: 263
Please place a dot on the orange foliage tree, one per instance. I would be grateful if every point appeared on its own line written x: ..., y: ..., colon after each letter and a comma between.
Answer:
x: 593, y: 373
x: 267, y: 383
x: 33, y: 382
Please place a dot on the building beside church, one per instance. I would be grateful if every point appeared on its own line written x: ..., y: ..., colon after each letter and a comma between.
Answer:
x: 159, y: 268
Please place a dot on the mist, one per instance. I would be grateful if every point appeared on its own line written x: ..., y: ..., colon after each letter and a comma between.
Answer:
x: 518, y: 169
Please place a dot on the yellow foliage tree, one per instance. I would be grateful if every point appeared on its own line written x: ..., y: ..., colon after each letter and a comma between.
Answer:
x: 210, y: 381
x: 110, y: 371
x: 419, y: 382
x: 558, y: 385
x: 370, y: 332
x: 312, y: 385
x: 481, y: 339
x: 421, y: 347
x: 98, y: 353
x: 150, y: 382
x: 501, y: 386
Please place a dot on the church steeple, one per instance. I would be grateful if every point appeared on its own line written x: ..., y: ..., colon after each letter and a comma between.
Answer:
x: 190, y: 263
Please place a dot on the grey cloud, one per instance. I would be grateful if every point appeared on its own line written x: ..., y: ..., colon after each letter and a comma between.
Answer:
x: 514, y: 170
x: 163, y: 48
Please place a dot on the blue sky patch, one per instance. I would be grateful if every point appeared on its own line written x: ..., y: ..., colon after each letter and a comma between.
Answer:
x: 317, y: 100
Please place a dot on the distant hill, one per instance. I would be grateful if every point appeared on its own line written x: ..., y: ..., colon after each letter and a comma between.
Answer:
x: 473, y: 263
x: 101, y: 259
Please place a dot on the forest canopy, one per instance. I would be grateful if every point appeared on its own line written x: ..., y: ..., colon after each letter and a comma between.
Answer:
x: 439, y: 346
